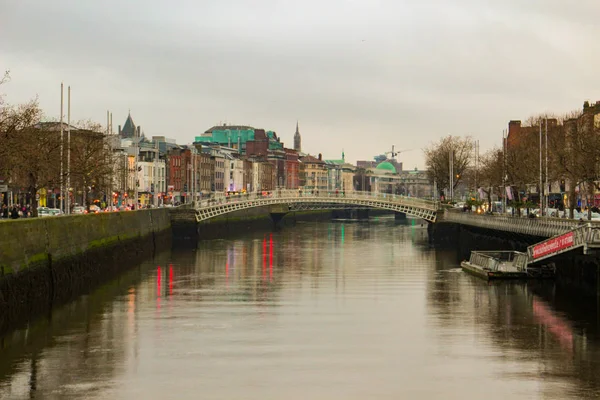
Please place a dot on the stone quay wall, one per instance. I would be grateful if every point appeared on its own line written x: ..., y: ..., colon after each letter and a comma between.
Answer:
x: 47, y: 261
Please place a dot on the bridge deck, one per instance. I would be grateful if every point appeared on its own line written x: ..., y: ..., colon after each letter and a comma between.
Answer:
x: 421, y: 208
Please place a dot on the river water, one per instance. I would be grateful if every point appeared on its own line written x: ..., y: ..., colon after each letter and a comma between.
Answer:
x: 316, y: 311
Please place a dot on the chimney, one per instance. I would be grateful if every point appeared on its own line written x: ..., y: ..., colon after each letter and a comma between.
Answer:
x: 119, y: 130
x: 320, y: 157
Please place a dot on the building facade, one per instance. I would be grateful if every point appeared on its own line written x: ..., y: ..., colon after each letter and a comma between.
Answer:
x: 314, y: 173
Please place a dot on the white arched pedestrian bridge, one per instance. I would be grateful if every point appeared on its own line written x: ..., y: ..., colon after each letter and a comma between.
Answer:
x: 220, y: 204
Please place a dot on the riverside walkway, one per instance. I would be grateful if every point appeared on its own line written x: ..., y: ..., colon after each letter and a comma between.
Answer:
x: 541, y: 227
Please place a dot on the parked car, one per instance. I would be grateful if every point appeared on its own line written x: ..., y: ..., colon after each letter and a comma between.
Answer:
x: 48, y: 212
x: 79, y: 210
x: 43, y: 212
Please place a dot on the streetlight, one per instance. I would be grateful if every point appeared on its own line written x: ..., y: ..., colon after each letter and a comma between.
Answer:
x: 68, y: 208
x: 60, y: 206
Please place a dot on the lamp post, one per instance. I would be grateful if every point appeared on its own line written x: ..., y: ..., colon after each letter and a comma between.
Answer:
x: 547, y: 188
x: 451, y: 174
x: 504, y: 177
x: 68, y: 206
x: 136, y: 138
x: 61, y: 202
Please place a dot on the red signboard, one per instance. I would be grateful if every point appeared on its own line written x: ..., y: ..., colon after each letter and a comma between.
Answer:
x: 553, y: 245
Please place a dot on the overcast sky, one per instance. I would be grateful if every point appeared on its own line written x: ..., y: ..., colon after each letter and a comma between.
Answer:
x: 358, y: 75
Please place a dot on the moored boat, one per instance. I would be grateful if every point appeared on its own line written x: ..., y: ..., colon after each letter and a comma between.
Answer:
x: 497, y: 265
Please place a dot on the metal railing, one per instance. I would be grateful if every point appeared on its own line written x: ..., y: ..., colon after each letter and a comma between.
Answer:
x: 221, y: 198
x: 219, y: 204
x: 493, y: 259
x: 543, y: 227
x: 580, y: 236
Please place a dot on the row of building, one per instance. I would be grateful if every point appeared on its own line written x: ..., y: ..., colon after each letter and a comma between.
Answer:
x: 240, y: 159
x: 581, y: 126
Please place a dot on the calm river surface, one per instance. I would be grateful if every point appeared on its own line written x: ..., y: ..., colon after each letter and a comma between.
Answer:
x: 316, y: 311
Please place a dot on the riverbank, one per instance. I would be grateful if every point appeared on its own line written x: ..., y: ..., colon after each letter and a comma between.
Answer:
x: 49, y: 261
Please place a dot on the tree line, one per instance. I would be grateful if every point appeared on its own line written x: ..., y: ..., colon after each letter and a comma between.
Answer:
x: 573, y: 142
x: 30, y: 153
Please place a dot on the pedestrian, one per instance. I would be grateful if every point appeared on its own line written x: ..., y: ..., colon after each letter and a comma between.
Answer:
x: 14, y: 214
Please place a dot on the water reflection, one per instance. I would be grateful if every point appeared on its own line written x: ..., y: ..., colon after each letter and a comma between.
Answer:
x: 340, y: 310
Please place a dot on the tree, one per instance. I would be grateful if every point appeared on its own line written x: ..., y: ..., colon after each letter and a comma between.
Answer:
x: 522, y: 160
x: 35, y: 159
x: 437, y: 160
x: 91, y: 161
x: 580, y: 155
x: 13, y: 120
x: 490, y: 173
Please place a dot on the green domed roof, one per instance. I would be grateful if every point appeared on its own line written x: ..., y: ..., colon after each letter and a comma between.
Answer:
x: 387, y: 166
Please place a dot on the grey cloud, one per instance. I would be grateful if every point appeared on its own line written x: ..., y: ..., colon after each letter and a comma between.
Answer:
x: 360, y: 75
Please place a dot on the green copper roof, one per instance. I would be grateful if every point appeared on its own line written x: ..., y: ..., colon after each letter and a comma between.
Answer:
x: 231, y: 136
x: 387, y: 166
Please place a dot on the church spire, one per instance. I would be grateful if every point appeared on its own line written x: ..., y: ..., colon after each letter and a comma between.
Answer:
x: 297, y: 139
x: 129, y: 128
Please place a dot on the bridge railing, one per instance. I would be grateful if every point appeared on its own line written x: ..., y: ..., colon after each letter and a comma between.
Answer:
x: 493, y: 259
x: 532, y: 226
x: 221, y: 198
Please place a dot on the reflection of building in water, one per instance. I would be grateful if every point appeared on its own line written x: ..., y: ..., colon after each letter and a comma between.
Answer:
x: 517, y: 322
x: 91, y: 337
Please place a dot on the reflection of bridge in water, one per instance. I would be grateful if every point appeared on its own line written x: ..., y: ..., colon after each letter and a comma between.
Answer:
x: 294, y: 200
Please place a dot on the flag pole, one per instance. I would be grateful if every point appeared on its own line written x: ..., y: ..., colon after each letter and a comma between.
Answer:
x: 547, y: 188
x: 68, y: 188
x: 61, y: 202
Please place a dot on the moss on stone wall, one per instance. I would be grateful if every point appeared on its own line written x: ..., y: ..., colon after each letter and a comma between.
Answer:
x: 48, y: 261
x: 35, y: 242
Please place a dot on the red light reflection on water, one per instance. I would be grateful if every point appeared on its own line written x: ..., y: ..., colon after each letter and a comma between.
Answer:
x: 158, y: 281
x: 557, y: 325
x: 170, y: 279
x: 227, y: 273
x: 271, y: 257
x: 158, y: 287
x: 264, y: 265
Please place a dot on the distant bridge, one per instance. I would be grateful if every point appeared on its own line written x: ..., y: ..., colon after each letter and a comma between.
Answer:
x: 294, y: 200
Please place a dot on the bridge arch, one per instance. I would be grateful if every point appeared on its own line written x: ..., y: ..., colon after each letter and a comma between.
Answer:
x: 420, y: 208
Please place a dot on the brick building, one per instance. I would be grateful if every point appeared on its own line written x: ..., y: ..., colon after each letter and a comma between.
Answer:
x: 291, y: 169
